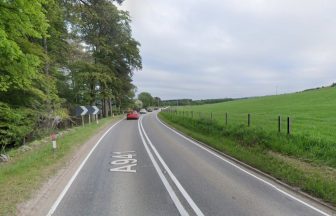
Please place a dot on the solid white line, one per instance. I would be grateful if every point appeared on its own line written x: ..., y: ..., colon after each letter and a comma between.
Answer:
x: 243, y: 170
x: 60, y: 197
x: 165, y: 182
x: 172, y: 176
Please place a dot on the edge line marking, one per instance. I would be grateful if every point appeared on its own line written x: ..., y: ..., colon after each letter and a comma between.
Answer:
x: 172, y: 176
x: 164, y: 180
x: 66, y: 188
x: 243, y: 170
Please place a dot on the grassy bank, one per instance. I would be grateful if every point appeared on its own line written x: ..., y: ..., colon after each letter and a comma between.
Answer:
x: 312, y: 112
x: 27, y: 170
x: 284, y: 157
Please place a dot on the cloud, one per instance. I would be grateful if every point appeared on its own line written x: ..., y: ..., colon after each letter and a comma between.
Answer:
x: 233, y: 48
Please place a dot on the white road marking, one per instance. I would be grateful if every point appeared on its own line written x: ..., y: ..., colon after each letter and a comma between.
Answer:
x: 243, y: 170
x: 124, y: 159
x: 123, y: 156
x: 127, y: 168
x: 60, y: 197
x: 122, y: 152
x: 165, y: 182
x: 172, y: 176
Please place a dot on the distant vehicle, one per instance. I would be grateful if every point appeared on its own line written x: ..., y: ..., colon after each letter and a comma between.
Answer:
x: 149, y: 109
x: 156, y: 108
x: 143, y: 111
x: 133, y: 115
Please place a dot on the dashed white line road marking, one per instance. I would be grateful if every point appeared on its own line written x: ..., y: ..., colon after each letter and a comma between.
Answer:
x: 165, y: 182
x: 243, y: 170
x: 60, y: 197
x: 172, y: 176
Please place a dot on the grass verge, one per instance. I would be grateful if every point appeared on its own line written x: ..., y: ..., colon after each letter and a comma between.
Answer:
x: 309, y: 176
x: 27, y: 170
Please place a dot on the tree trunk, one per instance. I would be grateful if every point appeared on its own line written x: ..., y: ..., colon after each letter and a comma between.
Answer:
x: 119, y: 106
x: 106, y: 107
x: 110, y: 105
x: 103, y: 107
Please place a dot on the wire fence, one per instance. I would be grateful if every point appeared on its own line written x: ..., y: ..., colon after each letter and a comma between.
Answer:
x: 225, y: 118
x: 307, y: 125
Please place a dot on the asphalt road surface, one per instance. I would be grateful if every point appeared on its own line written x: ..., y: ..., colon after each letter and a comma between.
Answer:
x: 142, y: 167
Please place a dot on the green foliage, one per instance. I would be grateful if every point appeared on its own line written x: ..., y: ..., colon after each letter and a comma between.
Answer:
x: 313, y: 113
x: 98, y: 71
x: 252, y: 146
x: 55, y: 55
x: 304, y: 147
x: 19, y: 57
x: 186, y: 102
x: 138, y: 104
x: 15, y: 124
x: 146, y: 99
x: 106, y: 70
x: 28, y: 170
x: 22, y: 86
x: 87, y: 77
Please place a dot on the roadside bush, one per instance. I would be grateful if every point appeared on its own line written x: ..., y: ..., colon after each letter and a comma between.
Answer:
x: 305, y: 147
x: 15, y: 124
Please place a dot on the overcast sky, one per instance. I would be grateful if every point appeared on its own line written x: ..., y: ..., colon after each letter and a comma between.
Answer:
x: 233, y: 48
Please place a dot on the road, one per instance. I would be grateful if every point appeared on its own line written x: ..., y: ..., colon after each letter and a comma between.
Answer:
x: 142, y: 167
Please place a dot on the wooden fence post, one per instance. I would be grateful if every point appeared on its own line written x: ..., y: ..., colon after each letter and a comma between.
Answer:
x: 289, y: 126
x: 279, y: 124
x: 226, y: 118
x: 249, y: 120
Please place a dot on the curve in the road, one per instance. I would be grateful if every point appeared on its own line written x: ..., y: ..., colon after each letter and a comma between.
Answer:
x: 165, y: 182
x: 243, y: 170
x: 170, y: 174
x: 191, y: 202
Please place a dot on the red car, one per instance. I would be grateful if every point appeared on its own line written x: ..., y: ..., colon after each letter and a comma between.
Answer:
x: 133, y: 115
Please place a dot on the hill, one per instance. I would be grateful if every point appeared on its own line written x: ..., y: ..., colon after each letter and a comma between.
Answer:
x: 306, y: 159
x: 313, y: 113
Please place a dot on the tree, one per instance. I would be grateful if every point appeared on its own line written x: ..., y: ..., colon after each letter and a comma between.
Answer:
x: 146, y: 98
x: 20, y: 57
x: 107, y: 32
x: 23, y: 88
x: 138, y: 104
x: 57, y: 54
x: 157, y: 101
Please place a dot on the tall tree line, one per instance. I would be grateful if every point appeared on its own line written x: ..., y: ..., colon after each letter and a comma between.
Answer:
x: 57, y: 54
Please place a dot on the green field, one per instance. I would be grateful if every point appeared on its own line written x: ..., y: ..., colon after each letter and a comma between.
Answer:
x: 313, y: 113
x: 305, y: 159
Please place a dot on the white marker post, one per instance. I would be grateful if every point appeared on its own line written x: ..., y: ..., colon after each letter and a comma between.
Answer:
x: 53, y: 142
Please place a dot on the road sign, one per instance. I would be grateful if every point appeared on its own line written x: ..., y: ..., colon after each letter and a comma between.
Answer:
x: 81, y: 110
x: 92, y: 110
x: 96, y: 110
